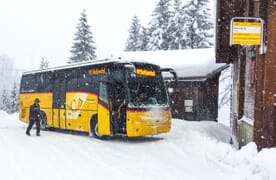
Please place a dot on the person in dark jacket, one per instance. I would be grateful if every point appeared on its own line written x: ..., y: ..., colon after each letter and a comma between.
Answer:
x: 34, y: 117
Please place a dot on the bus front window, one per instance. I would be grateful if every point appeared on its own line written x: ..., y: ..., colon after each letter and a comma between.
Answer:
x: 144, y: 91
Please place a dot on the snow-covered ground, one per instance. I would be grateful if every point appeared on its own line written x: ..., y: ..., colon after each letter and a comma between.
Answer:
x: 192, y: 150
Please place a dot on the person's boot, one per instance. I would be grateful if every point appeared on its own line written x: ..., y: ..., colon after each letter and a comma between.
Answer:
x: 37, y: 134
x: 28, y: 134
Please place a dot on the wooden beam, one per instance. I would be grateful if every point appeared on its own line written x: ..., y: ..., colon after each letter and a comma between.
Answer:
x: 269, y: 127
x: 265, y: 118
x: 226, y: 9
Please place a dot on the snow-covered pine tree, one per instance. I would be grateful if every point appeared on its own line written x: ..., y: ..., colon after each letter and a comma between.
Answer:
x: 1, y: 100
x: 200, y: 28
x: 134, y: 35
x: 83, y: 48
x: 177, y: 26
x: 159, y: 26
x: 7, y: 72
x: 144, y: 39
x: 13, y: 103
x: 5, y: 100
x: 44, y: 64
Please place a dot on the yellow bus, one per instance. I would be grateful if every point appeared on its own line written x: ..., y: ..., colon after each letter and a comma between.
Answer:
x: 103, y: 98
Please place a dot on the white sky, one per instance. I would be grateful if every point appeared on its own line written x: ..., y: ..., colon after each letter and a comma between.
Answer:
x: 32, y: 29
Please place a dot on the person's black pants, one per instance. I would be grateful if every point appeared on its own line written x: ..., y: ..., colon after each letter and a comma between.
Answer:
x: 31, y: 123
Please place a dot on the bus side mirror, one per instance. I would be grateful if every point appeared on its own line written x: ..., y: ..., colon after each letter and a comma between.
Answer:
x: 173, y: 72
x: 131, y: 70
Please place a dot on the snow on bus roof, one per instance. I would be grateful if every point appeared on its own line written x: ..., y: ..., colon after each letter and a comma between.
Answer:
x: 82, y: 64
x: 187, y: 63
x: 73, y: 65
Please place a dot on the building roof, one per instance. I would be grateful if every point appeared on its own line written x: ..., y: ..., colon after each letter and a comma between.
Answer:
x: 197, y: 64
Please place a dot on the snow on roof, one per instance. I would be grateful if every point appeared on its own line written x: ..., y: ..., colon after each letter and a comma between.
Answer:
x: 68, y: 66
x: 188, y: 63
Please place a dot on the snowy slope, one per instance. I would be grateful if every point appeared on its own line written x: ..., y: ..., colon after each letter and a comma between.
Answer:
x: 192, y: 150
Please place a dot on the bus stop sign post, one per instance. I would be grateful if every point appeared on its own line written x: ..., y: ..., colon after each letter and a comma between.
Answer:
x: 247, y: 33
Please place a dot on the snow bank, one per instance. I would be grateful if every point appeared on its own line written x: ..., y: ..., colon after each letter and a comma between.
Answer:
x: 192, y: 150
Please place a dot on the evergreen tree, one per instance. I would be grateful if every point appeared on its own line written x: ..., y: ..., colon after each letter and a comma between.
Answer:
x: 144, y: 39
x: 7, y: 72
x: 5, y: 100
x: 83, y: 48
x: 13, y: 104
x: 134, y: 35
x: 177, y: 26
x: 159, y: 26
x: 44, y: 64
x: 199, y: 26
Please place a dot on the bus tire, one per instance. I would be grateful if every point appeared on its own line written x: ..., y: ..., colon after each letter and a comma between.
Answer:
x: 94, y: 128
x: 43, y: 121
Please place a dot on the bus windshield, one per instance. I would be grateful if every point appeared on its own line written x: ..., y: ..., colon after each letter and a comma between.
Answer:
x: 144, y: 91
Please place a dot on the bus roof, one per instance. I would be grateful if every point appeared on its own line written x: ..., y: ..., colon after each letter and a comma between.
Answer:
x: 82, y: 64
x: 73, y: 65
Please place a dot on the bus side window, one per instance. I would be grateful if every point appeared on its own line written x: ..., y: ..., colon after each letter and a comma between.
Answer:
x: 29, y: 83
x: 71, y: 81
x: 72, y: 84
x: 44, y: 83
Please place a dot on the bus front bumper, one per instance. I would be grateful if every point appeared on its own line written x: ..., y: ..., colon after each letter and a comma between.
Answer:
x: 143, y: 125
x: 142, y: 130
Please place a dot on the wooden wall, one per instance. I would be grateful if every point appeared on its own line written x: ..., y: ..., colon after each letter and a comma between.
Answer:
x: 195, y: 100
x: 258, y: 98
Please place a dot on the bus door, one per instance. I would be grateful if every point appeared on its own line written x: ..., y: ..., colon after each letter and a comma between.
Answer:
x: 104, y: 109
x: 59, y: 104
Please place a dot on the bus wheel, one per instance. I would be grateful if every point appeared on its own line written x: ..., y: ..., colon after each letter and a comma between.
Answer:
x: 43, y: 120
x: 94, y: 129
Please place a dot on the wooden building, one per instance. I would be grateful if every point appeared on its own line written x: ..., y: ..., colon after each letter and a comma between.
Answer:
x: 254, y: 94
x: 196, y: 95
x: 196, y: 98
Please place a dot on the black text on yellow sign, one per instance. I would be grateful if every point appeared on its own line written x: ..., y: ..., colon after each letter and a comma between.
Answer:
x: 145, y: 72
x: 96, y: 71
x: 246, y: 33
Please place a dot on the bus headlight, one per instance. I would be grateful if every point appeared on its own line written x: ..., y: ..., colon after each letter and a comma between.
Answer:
x: 138, y: 122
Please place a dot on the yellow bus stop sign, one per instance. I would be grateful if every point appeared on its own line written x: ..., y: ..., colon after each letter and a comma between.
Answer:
x: 247, y: 33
